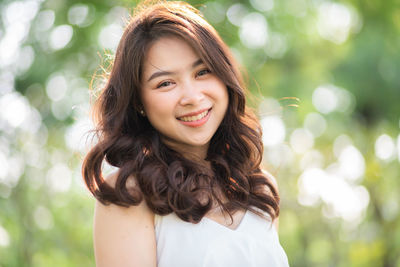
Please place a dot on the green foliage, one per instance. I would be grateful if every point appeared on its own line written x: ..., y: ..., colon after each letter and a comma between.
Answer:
x: 45, y: 211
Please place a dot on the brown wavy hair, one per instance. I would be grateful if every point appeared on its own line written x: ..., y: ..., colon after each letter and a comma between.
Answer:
x: 166, y: 180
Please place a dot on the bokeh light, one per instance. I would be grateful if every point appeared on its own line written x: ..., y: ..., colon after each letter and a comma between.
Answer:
x: 312, y: 159
x: 385, y: 148
x: 59, y: 178
x: 60, y: 36
x: 315, y: 124
x: 78, y: 15
x: 254, y: 30
x: 110, y: 35
x: 333, y: 152
x: 43, y: 218
x: 276, y: 46
x: 44, y: 20
x: 273, y: 130
x: 236, y: 13
x: 316, y: 185
x: 4, y: 237
x: 56, y: 87
x: 262, y: 5
x: 301, y: 140
x: 398, y: 147
x: 351, y: 163
x: 336, y: 21
x: 328, y: 98
x: 279, y: 156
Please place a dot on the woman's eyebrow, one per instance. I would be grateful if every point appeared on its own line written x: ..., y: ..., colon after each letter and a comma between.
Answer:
x: 163, y: 73
x: 158, y: 74
x: 197, y: 63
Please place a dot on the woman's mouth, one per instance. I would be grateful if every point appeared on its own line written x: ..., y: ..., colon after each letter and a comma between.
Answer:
x: 195, y: 120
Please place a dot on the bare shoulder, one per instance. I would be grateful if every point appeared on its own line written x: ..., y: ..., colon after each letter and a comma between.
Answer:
x: 271, y: 178
x: 141, y: 211
x: 123, y: 236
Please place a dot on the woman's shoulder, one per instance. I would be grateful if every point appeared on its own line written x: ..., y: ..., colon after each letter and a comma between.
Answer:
x: 123, y: 234
x: 141, y: 210
x: 274, y: 183
x: 270, y: 178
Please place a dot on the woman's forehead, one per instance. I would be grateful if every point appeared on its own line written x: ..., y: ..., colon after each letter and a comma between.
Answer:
x: 169, y: 54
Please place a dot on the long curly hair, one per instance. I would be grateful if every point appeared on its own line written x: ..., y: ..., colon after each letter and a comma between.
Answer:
x: 166, y: 180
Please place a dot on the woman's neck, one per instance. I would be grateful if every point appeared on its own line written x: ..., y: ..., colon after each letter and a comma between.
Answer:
x: 196, y: 153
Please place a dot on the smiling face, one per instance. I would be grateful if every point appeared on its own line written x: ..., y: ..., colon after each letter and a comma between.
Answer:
x: 181, y: 98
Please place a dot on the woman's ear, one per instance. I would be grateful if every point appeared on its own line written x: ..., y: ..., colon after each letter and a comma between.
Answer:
x: 140, y: 109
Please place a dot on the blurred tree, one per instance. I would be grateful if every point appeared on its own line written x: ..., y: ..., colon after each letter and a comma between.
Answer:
x: 325, y: 79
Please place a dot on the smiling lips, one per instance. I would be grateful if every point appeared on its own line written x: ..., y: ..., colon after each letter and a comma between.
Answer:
x: 195, y: 119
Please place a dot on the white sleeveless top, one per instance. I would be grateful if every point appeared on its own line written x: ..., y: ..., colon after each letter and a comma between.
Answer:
x: 254, y: 243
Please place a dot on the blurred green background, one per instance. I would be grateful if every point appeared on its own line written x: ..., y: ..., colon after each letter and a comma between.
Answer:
x: 324, y: 76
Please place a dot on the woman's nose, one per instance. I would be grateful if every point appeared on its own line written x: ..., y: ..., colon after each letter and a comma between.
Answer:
x: 191, y: 94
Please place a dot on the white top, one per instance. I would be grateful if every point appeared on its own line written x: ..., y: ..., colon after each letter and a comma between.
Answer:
x: 254, y: 243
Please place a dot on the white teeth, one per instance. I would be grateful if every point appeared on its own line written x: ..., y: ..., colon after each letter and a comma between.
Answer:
x: 194, y: 118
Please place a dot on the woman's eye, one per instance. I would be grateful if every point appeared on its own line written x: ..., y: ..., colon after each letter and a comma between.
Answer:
x: 164, y: 84
x: 203, y: 72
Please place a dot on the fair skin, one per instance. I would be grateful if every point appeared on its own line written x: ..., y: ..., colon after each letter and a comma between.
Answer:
x: 185, y: 103
x: 182, y: 99
x: 124, y: 236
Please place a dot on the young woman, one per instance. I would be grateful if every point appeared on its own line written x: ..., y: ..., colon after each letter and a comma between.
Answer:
x: 189, y: 190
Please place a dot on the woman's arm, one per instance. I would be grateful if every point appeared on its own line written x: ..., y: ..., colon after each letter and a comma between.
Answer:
x: 272, y: 179
x: 124, y: 236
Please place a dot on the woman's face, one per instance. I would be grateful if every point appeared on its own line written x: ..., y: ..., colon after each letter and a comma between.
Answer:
x: 182, y: 99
